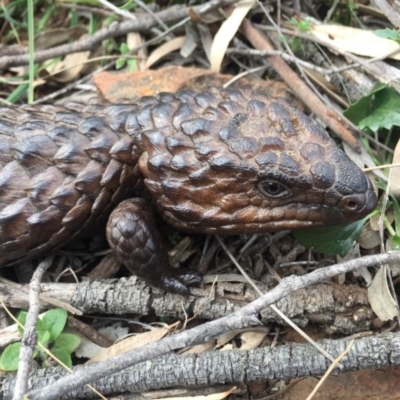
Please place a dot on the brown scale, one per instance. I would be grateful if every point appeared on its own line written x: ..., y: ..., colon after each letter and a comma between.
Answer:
x: 220, y: 161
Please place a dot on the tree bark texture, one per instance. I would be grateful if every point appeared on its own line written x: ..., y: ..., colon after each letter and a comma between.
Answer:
x: 339, y: 308
x: 225, y: 367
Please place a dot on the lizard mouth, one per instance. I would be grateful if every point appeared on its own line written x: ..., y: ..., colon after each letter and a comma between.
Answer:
x: 296, y: 215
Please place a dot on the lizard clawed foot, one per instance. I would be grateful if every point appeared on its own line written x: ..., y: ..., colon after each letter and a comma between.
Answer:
x: 133, y: 236
x: 179, y: 282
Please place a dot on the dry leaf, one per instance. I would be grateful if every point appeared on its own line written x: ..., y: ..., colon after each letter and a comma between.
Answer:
x: 357, y: 41
x: 227, y: 347
x: 133, y: 40
x: 226, y: 338
x: 71, y: 66
x: 227, y: 31
x: 55, y: 37
x: 394, y: 184
x: 114, y: 87
x: 251, y: 340
x: 327, y: 86
x: 164, y: 49
x: 224, y: 278
x: 201, y: 348
x: 88, y: 349
x: 380, y: 298
x: 369, y: 238
x: 206, y: 39
x: 214, y: 396
x: 191, y: 40
x: 130, y: 343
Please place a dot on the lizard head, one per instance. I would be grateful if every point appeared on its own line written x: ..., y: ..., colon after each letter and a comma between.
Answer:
x: 230, y: 161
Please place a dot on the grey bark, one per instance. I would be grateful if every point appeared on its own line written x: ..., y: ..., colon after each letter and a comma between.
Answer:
x: 230, y: 367
x: 339, y: 308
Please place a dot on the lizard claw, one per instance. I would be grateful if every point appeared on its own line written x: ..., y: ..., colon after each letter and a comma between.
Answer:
x: 179, y: 283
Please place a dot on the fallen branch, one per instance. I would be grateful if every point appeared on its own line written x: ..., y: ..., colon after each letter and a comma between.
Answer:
x: 243, y: 318
x: 234, y: 366
x: 333, y: 306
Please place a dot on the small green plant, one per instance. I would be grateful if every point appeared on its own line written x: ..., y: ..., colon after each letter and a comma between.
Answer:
x: 378, y: 109
x: 50, y: 334
x: 303, y: 26
x: 130, y: 62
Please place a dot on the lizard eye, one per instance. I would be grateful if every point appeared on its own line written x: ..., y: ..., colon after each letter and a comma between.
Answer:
x: 273, y: 189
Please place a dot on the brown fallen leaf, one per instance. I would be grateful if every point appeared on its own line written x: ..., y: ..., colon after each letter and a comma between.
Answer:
x: 252, y: 339
x: 116, y: 86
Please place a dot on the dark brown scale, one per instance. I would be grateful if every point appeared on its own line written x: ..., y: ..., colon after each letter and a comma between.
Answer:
x: 211, y: 162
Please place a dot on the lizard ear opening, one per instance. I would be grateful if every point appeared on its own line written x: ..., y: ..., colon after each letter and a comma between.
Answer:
x: 276, y: 190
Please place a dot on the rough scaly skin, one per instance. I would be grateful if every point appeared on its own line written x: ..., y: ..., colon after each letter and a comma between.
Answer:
x: 221, y: 161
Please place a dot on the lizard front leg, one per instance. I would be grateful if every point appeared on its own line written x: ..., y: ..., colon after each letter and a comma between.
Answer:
x: 133, y: 236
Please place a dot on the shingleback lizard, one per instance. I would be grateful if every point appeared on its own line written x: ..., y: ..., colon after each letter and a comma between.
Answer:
x: 216, y: 162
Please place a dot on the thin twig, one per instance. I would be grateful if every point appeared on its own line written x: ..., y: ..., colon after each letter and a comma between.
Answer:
x: 29, y: 337
x: 153, y: 14
x: 116, y: 10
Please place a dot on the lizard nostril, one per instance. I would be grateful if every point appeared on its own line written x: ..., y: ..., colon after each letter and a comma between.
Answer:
x: 354, y: 202
x: 351, y: 205
x: 360, y: 202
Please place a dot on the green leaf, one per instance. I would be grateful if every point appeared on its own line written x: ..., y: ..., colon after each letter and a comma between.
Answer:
x: 54, y: 322
x: 123, y: 48
x: 10, y: 357
x: 21, y: 318
x: 388, y: 34
x: 395, y: 240
x: 379, y: 109
x: 120, y: 63
x: 44, y: 337
x: 396, y: 209
x: 331, y: 240
x: 67, y: 341
x: 132, y: 65
x: 363, y: 107
x: 63, y: 356
x: 302, y: 24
